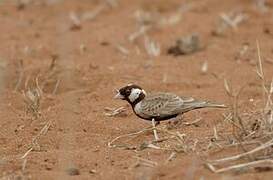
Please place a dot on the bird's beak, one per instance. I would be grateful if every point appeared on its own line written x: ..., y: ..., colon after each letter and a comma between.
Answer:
x: 118, y: 96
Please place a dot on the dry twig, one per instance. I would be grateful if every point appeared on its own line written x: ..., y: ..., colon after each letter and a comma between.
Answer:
x: 35, y: 139
x: 114, y: 111
x: 259, y: 163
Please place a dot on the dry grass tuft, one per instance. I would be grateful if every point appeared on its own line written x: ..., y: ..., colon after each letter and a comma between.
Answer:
x: 152, y: 48
x: 229, y: 21
x: 261, y: 5
x: 252, y: 132
x: 32, y: 99
x: 148, y: 20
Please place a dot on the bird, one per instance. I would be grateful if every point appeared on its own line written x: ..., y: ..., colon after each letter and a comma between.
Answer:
x: 160, y: 106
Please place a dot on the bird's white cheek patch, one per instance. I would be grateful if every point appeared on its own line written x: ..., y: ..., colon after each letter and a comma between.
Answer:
x: 134, y: 94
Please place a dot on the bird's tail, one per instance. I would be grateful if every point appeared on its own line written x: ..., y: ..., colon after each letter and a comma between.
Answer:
x: 214, y: 105
x: 197, y: 104
x: 206, y: 104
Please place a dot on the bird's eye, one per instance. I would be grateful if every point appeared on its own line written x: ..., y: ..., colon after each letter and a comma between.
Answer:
x: 128, y: 91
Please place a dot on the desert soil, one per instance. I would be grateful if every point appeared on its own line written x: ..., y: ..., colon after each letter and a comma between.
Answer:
x: 70, y: 69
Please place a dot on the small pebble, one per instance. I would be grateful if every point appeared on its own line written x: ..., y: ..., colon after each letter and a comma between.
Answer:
x: 72, y: 171
x: 92, y: 171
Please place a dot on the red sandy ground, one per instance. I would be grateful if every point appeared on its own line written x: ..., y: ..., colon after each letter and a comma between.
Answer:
x: 80, y: 131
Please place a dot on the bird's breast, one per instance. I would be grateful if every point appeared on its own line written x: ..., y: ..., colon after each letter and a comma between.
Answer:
x: 139, y: 111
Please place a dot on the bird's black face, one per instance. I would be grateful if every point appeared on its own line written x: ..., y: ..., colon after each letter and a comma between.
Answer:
x: 131, y: 93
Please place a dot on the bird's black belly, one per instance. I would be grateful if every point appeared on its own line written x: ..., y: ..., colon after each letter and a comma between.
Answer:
x: 158, y: 118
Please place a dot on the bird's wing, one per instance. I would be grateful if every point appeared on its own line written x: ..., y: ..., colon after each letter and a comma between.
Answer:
x: 167, y: 104
x: 162, y: 104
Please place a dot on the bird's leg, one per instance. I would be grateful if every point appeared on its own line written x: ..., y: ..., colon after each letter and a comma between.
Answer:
x: 156, y: 124
x: 154, y: 130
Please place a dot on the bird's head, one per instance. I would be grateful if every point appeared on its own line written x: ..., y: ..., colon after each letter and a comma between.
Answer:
x: 131, y: 93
